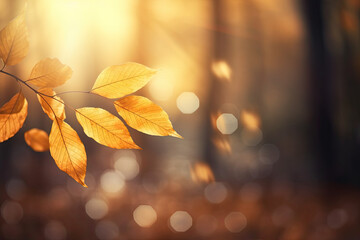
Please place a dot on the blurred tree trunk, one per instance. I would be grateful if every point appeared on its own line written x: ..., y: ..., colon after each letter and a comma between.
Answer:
x: 334, y: 86
x: 321, y: 90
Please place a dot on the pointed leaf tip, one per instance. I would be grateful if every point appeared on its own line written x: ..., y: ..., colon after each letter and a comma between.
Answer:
x: 68, y: 151
x: 145, y: 116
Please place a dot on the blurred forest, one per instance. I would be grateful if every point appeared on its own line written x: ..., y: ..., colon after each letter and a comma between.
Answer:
x: 265, y: 94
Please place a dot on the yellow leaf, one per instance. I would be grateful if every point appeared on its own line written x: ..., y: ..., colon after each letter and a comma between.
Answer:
x: 52, y: 107
x: 68, y: 151
x: 12, y: 116
x: 50, y: 73
x: 145, y: 116
x: 105, y: 128
x: 37, y: 139
x: 14, y: 44
x: 121, y: 80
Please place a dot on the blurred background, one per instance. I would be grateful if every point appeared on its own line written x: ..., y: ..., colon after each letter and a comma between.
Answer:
x: 265, y: 94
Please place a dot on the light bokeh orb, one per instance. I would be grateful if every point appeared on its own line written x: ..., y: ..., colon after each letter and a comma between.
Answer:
x: 227, y: 123
x: 235, y: 222
x: 187, y: 102
x: 96, y: 208
x: 180, y: 221
x: 112, y: 182
x: 215, y: 192
x: 127, y: 166
x: 145, y: 216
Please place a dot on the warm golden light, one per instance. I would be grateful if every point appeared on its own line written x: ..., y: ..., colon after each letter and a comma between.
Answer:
x: 201, y: 172
x: 250, y: 120
x: 222, y: 70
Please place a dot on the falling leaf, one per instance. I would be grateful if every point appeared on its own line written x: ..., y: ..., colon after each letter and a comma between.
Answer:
x: 37, y: 139
x: 52, y: 107
x: 105, y: 128
x: 50, y: 73
x: 68, y: 151
x: 14, y: 44
x: 12, y: 116
x: 145, y: 116
x: 121, y: 80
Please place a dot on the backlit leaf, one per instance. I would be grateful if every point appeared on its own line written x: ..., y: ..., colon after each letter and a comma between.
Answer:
x: 145, y: 116
x: 12, y: 116
x: 52, y: 107
x: 68, y: 151
x: 37, y: 139
x: 105, y: 128
x: 118, y: 81
x: 14, y: 44
x: 50, y: 73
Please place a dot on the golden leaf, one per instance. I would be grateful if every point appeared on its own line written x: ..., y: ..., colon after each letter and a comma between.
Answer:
x: 50, y: 73
x: 14, y: 44
x: 68, y: 151
x: 52, y: 107
x: 37, y: 139
x: 12, y: 116
x: 145, y: 116
x: 121, y: 80
x: 105, y: 128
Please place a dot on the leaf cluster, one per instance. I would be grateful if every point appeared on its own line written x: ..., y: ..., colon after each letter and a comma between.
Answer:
x: 114, y: 83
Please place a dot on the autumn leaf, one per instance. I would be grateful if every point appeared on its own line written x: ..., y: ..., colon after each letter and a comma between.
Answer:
x: 14, y: 44
x: 68, y: 151
x: 145, y: 116
x: 105, y: 128
x: 12, y: 116
x: 50, y: 73
x: 37, y: 139
x: 118, y: 81
x: 52, y: 106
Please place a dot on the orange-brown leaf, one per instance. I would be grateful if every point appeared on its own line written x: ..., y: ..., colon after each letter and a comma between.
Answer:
x: 52, y: 107
x: 14, y: 44
x: 105, y: 128
x: 68, y: 151
x: 118, y: 81
x: 37, y: 139
x: 50, y: 73
x: 145, y: 116
x: 12, y: 116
